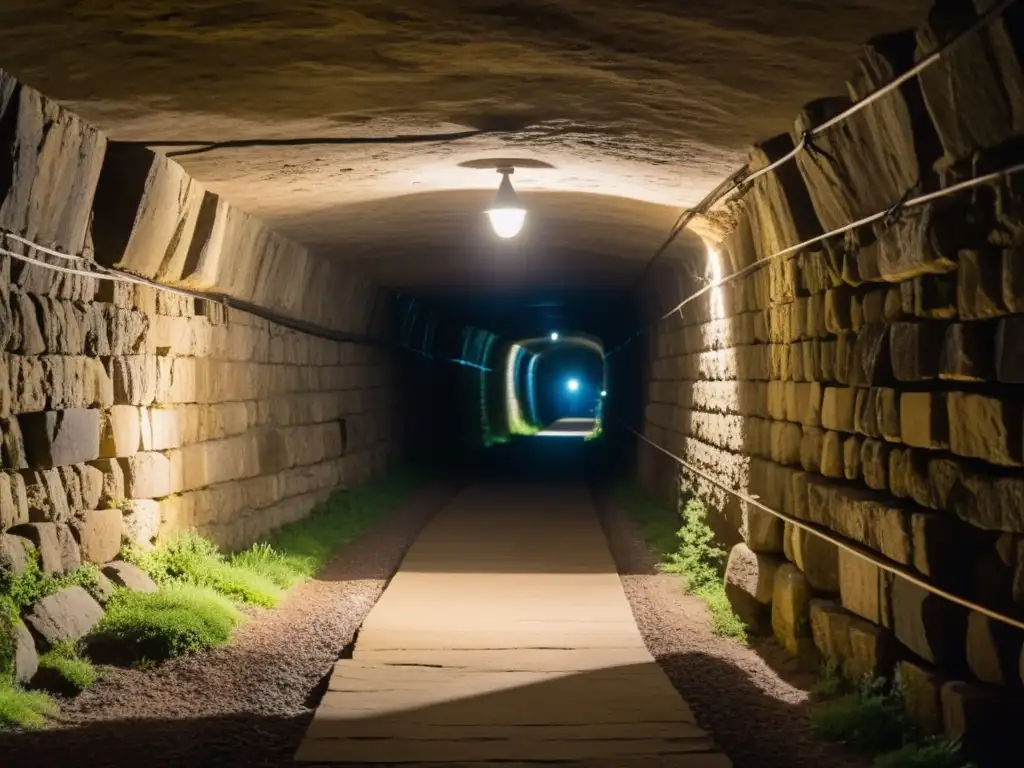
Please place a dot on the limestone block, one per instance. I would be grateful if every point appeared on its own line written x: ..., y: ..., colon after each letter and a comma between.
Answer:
x: 777, y: 400
x: 888, y: 413
x: 837, y: 310
x: 934, y: 296
x: 134, y: 378
x: 129, y: 576
x: 871, y: 362
x: 27, y: 378
x: 169, y: 336
x: 856, y: 313
x: 988, y: 502
x: 985, y: 428
x: 126, y: 329
x: 55, y: 160
x: 921, y: 241
x: 851, y: 457
x: 938, y: 540
x: 796, y: 496
x: 817, y: 558
x: 872, y: 651
x: 864, y: 589
x: 121, y: 435
x: 59, y: 437
x: 26, y: 335
x: 148, y: 475
x: 791, y: 623
x: 830, y: 628
x: 924, y: 420
x: 144, y: 213
x: 14, y: 508
x: 993, y: 650
x: 68, y: 615
x: 25, y: 659
x: 915, y: 350
x: 46, y: 497
x: 15, y: 553
x: 921, y: 687
x: 98, y: 533
x: 58, y: 552
x: 141, y: 522
x: 979, y: 284
x: 827, y: 360
x: 873, y: 303
x: 874, y: 459
x: 1009, y: 351
x: 163, y: 428
x: 928, y: 625
x: 967, y: 353
x: 749, y: 583
x: 111, y: 481
x: 811, y: 447
x: 785, y: 442
x: 837, y: 408
x: 90, y: 481
x: 12, y: 444
x: 865, y: 415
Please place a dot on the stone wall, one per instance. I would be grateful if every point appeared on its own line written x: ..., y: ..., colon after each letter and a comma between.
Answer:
x: 873, y: 385
x: 130, y: 413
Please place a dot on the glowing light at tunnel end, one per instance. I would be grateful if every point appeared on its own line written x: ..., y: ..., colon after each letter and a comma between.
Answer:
x: 573, y: 385
x: 554, y: 336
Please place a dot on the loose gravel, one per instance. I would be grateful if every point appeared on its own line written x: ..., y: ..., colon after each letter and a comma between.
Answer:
x: 753, y: 700
x: 248, y: 703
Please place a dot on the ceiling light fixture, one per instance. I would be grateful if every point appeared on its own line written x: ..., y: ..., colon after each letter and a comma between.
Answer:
x: 506, y: 213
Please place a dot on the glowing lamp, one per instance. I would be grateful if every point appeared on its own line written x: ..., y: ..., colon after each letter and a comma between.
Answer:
x: 604, y: 393
x: 506, y: 213
x: 554, y: 336
x: 573, y: 385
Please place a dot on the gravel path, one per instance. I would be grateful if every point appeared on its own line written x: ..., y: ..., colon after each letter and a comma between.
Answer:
x: 752, y: 699
x: 247, y: 704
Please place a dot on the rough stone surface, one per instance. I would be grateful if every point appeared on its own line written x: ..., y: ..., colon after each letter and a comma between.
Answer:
x: 922, y: 696
x: 121, y: 434
x: 749, y: 584
x: 129, y: 576
x: 863, y: 589
x: 15, y: 553
x: 791, y: 614
x: 67, y: 615
x: 98, y: 532
x: 993, y: 650
x: 52, y: 545
x: 26, y: 660
x: 55, y: 438
x: 930, y: 626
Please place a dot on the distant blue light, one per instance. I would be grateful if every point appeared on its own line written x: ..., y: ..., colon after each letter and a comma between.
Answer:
x: 554, y: 336
x: 573, y: 385
x: 604, y: 393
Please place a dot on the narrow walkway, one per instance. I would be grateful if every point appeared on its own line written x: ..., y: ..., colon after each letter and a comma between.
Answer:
x: 506, y: 636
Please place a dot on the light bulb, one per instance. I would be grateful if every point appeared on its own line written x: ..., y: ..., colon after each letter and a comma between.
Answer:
x: 573, y: 385
x: 507, y: 222
x: 604, y: 393
x: 554, y: 336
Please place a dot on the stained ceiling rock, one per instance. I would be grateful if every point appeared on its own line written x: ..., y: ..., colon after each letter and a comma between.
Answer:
x: 640, y: 107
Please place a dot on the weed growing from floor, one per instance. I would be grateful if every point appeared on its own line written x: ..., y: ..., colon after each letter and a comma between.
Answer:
x: 32, y: 585
x: 689, y: 551
x: 595, y: 434
x: 23, y: 709
x: 177, y: 620
x: 869, y: 720
x: 829, y: 683
x: 66, y: 662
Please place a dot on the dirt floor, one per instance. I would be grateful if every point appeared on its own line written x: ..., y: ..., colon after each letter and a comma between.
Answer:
x: 752, y: 699
x: 249, y: 704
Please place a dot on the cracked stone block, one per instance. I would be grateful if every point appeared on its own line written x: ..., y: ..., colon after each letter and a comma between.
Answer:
x: 46, y: 496
x: 13, y: 500
x: 68, y: 615
x: 921, y: 241
x: 56, y: 438
x: 141, y: 522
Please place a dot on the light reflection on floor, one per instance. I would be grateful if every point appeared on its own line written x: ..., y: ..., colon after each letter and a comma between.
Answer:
x: 569, y: 428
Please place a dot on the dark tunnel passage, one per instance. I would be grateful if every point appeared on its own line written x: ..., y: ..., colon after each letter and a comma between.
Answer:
x: 490, y: 384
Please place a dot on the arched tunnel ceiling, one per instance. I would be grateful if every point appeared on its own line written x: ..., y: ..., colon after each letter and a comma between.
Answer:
x: 640, y: 107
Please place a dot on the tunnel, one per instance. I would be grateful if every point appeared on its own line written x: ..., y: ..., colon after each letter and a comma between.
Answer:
x: 512, y: 383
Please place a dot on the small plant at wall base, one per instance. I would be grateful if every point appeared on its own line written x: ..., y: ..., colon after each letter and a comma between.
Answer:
x: 688, y: 551
x: 23, y: 709
x: 64, y: 669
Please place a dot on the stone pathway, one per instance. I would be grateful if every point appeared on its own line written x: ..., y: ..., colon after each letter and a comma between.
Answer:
x: 506, y: 636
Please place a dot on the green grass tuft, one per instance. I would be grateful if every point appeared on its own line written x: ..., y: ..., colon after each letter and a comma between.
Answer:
x: 192, y: 559
x: 869, y: 720
x: 178, y: 620
x: 66, y: 662
x: 689, y: 551
x: 23, y: 709
x: 829, y: 683
x: 931, y: 753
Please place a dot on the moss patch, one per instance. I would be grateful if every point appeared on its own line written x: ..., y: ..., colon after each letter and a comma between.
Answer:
x: 23, y: 709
